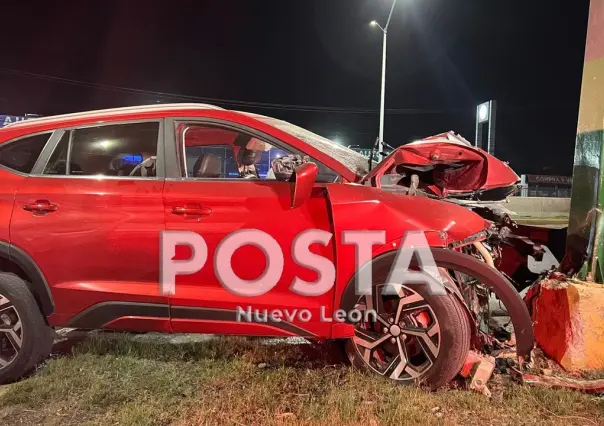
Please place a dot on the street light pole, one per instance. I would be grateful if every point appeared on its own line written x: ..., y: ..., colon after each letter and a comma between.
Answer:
x: 383, y: 92
x: 382, y: 100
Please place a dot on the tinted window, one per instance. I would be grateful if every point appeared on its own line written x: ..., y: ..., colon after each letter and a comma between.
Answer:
x: 22, y: 154
x: 114, y: 150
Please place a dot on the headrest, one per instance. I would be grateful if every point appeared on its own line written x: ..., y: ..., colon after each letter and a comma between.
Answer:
x: 208, y: 166
x: 247, y: 157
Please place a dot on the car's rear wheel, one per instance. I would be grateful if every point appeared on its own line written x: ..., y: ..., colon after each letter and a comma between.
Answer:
x: 25, y: 339
x: 416, y: 338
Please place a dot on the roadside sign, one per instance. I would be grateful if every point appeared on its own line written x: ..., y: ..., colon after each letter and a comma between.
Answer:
x: 8, y: 119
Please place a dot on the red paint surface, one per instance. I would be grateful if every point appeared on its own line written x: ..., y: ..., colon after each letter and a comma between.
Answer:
x: 102, y: 243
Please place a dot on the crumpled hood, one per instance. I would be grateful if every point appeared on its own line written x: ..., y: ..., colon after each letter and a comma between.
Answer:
x: 364, y: 207
x: 448, y: 165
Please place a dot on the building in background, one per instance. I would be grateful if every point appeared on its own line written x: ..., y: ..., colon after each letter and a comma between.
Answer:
x: 363, y: 151
x: 545, y: 186
x: 5, y: 120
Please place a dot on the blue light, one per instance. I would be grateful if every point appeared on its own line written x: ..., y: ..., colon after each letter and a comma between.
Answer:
x: 133, y: 159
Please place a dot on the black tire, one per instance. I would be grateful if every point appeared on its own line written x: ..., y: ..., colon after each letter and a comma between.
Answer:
x: 36, y: 335
x: 454, y: 342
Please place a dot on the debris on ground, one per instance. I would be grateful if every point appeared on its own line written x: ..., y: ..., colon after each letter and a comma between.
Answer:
x: 588, y: 386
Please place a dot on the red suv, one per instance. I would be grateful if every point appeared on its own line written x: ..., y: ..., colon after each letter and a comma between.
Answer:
x: 85, y: 197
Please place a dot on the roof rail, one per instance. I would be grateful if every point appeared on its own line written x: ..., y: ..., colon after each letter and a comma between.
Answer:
x: 101, y: 112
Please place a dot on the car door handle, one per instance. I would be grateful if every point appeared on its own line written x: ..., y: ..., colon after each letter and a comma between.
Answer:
x: 192, y: 211
x: 41, y: 207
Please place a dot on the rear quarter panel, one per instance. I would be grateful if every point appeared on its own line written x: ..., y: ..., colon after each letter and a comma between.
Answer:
x: 9, y: 183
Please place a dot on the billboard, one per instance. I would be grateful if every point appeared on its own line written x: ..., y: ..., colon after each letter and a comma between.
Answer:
x: 8, y: 119
x: 552, y: 180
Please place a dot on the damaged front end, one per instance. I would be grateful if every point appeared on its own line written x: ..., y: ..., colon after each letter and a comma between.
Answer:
x: 447, y: 167
x: 444, y: 166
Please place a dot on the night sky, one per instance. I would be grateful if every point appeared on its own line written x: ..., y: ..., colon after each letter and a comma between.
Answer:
x: 315, y: 63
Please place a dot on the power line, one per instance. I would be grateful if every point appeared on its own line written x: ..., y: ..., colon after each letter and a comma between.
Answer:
x: 273, y: 106
x: 233, y: 102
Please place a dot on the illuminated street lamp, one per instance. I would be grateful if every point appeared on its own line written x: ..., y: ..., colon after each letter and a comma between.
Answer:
x: 483, y: 112
x: 485, y: 126
x: 383, y: 93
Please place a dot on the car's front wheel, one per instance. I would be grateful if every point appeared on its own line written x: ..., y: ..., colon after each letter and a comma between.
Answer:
x: 25, y: 339
x: 415, y: 338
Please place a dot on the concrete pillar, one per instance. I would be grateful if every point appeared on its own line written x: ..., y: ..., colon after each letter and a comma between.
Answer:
x: 568, y: 316
x: 585, y: 232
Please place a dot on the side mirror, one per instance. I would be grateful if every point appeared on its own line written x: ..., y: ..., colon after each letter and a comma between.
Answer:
x: 303, y: 180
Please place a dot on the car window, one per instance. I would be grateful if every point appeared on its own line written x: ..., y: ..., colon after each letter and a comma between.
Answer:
x: 57, y: 164
x: 220, y: 153
x: 223, y: 153
x: 354, y: 161
x: 126, y: 150
x: 22, y: 154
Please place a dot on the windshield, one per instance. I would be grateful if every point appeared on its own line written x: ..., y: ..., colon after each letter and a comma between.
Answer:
x: 354, y: 161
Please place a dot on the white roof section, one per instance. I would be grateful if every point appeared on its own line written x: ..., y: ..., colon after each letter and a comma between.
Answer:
x: 104, y: 112
x: 449, y: 137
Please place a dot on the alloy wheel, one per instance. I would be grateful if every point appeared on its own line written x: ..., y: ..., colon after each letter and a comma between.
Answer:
x: 11, y: 332
x: 402, y: 341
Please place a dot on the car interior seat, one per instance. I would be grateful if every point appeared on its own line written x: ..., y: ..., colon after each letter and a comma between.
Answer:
x: 247, y: 163
x: 248, y: 157
x: 207, y: 166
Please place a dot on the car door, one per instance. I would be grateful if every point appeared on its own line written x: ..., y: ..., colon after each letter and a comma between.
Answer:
x: 218, y: 187
x: 91, y: 221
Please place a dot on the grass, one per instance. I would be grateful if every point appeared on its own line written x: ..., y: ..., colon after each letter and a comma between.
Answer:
x: 115, y: 381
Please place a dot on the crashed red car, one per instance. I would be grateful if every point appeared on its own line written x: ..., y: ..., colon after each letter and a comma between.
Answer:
x: 85, y: 197
x: 446, y: 165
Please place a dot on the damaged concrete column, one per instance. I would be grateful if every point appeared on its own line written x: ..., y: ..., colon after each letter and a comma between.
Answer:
x: 569, y: 315
x: 585, y: 247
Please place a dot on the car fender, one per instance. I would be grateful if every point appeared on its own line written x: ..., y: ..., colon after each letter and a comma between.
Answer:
x: 355, y: 207
x: 488, y: 276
